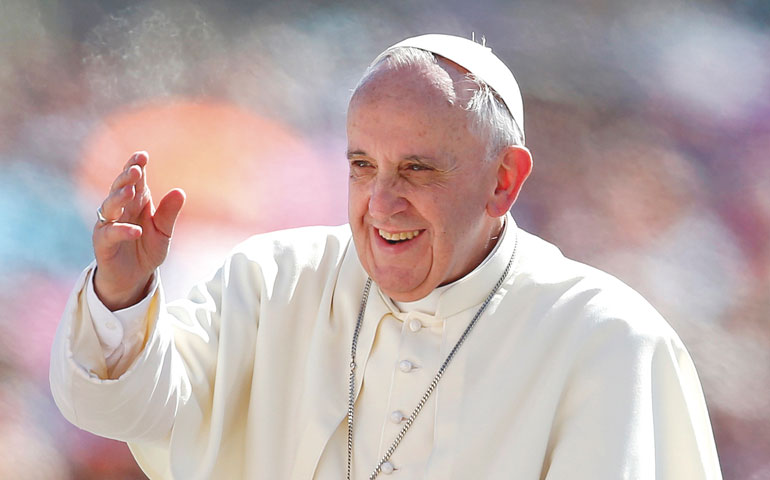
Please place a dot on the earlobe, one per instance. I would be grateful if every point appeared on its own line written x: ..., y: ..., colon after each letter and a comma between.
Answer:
x: 514, y: 166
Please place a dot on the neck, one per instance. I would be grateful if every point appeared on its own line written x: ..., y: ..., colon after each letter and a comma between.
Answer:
x: 493, y: 236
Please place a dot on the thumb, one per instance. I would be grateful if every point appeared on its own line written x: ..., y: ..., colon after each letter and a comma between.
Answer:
x: 168, y: 211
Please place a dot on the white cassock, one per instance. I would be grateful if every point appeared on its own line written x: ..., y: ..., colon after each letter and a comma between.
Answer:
x: 569, y: 374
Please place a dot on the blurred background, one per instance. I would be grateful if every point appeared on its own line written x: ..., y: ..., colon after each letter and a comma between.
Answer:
x: 649, y: 123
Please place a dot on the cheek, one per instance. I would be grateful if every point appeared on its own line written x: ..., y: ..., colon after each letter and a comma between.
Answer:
x: 454, y: 225
x: 357, y: 202
x: 448, y: 213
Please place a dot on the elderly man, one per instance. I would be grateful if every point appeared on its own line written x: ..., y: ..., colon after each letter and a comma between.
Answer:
x: 438, y: 341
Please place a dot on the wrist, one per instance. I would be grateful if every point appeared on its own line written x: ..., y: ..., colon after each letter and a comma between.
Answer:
x: 119, y: 298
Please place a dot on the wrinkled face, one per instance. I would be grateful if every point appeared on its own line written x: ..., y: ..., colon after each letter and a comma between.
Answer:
x: 419, y: 185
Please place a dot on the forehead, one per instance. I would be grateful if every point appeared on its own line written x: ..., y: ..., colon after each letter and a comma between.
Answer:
x: 408, y: 96
x: 441, y: 83
x: 413, y: 110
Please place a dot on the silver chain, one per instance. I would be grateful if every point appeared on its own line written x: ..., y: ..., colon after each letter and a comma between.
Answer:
x: 425, y: 396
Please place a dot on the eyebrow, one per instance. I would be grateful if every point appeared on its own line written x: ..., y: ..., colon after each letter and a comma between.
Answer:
x: 436, y: 163
x: 412, y: 158
x: 420, y: 159
x: 356, y: 153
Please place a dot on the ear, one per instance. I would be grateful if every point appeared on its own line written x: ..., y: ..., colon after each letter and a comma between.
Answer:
x: 514, y: 165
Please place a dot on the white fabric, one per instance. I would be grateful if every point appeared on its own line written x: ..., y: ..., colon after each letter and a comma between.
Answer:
x: 429, y: 303
x: 120, y: 333
x: 568, y: 375
x: 480, y: 61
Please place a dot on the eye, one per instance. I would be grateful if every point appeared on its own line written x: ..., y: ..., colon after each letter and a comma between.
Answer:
x: 360, y: 164
x: 417, y: 167
x: 360, y: 168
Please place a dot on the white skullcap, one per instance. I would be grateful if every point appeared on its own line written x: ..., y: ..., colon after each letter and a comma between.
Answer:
x: 478, y: 60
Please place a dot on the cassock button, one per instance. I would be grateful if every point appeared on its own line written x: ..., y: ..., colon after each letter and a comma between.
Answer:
x: 415, y: 325
x: 396, y: 416
x: 405, y: 366
x: 387, y: 468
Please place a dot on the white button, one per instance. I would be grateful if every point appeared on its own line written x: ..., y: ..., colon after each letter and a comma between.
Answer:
x: 387, y: 468
x: 414, y: 325
x: 396, y: 416
x: 405, y: 366
x: 112, y: 325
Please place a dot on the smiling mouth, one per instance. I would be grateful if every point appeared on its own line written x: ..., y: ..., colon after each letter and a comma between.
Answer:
x: 394, y: 238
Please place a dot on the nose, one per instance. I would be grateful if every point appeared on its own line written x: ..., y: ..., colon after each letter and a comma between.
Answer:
x: 386, y: 199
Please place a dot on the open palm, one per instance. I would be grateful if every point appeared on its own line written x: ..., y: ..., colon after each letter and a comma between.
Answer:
x: 135, y: 238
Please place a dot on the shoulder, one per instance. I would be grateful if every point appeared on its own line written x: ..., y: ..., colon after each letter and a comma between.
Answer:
x: 289, y: 254
x: 303, y: 244
x: 584, y: 302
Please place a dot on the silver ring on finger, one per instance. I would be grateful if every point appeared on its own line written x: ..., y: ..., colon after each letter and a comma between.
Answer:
x: 101, y: 217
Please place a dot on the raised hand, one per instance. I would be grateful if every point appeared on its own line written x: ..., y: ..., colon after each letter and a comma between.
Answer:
x: 131, y: 238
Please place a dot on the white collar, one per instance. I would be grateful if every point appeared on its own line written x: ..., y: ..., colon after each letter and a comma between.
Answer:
x: 430, y: 303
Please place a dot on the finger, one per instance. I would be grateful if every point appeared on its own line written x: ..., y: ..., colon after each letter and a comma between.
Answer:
x: 142, y: 192
x: 131, y: 175
x: 115, y: 203
x: 112, y: 234
x: 141, y: 184
x: 168, y: 211
x: 139, y: 158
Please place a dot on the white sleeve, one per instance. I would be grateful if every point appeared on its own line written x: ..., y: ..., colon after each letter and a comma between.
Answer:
x: 135, y: 404
x: 121, y: 333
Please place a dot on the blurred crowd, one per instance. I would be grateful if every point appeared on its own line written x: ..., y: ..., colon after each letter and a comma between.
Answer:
x: 649, y: 124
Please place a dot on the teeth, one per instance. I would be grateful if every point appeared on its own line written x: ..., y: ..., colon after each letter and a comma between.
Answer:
x: 393, y: 237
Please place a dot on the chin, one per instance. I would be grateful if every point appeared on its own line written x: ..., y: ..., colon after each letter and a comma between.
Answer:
x: 398, y: 293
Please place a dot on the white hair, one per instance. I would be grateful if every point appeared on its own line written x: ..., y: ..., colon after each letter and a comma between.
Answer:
x: 490, y: 119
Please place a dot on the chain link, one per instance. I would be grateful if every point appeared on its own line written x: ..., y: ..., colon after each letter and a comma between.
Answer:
x: 352, y: 389
x: 433, y: 384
